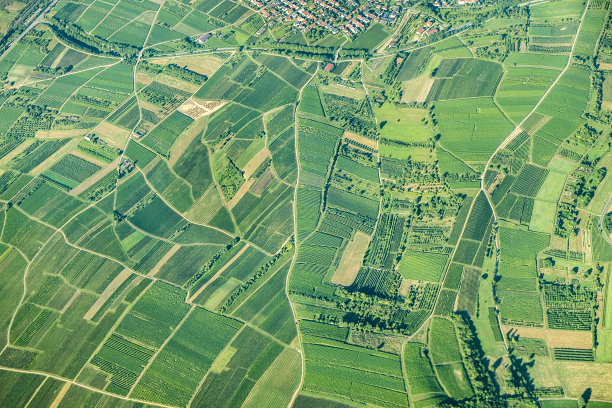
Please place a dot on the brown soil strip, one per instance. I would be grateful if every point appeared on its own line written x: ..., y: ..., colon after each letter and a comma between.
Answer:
x: 60, y: 395
x: 86, y: 157
x: 95, y: 178
x: 216, y: 275
x: 254, y: 163
x: 72, y: 299
x: 360, y: 139
x: 554, y: 338
x: 162, y: 261
x: 350, y: 263
x: 240, y: 193
x: 60, y: 134
x: 50, y: 161
x: 110, y: 289
x: 184, y: 140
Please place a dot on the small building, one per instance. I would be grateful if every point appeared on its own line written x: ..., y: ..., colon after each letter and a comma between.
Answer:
x: 261, y: 30
x: 399, y: 60
x: 204, y: 38
x: 420, y: 31
x: 329, y: 66
x: 432, y: 31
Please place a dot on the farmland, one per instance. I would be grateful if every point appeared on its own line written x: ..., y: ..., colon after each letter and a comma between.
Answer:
x: 301, y: 204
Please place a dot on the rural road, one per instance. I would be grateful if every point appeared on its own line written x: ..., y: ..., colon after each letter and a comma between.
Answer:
x: 604, y: 212
x: 37, y: 20
x: 518, y: 129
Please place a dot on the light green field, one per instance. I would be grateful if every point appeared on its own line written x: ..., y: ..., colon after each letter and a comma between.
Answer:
x: 552, y: 187
x: 528, y: 59
x: 557, y: 10
x: 422, y: 266
x: 543, y: 216
x: 603, y: 192
x: 521, y: 88
x: 403, y: 124
x: 215, y: 300
x: 276, y: 386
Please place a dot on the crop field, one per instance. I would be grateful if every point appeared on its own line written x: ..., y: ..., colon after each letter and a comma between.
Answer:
x: 444, y: 345
x: 536, y: 60
x: 421, y: 378
x: 370, y: 38
x: 316, y: 143
x: 415, y: 64
x: 521, y: 88
x: 311, y: 101
x: 338, y: 369
x: 464, y: 78
x: 422, y: 266
x: 329, y: 204
x: 520, y: 302
x: 471, y: 129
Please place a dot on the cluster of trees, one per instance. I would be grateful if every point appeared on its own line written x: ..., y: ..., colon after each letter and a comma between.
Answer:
x: 373, y: 313
x: 18, y: 25
x: 184, y: 44
x: 205, y: 270
x: 175, y: 71
x: 230, y: 178
x: 567, y: 220
x: 351, y: 114
x: 78, y: 38
x: 606, y: 223
x: 486, y: 391
x: 262, y: 271
x: 301, y: 50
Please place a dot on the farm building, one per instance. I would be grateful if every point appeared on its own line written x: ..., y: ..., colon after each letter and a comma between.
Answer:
x: 204, y: 38
x: 329, y: 66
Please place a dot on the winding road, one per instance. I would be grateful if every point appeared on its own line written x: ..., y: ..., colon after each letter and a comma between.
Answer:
x: 605, y: 210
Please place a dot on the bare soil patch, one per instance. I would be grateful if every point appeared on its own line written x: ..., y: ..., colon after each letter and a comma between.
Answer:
x: 361, y: 139
x: 95, y: 178
x: 196, y: 108
x: 110, y: 289
x: 254, y: 163
x: 350, y: 263
x: 417, y: 89
x: 216, y: 275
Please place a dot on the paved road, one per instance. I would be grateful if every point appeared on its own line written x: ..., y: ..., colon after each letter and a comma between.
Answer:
x: 34, y: 23
x: 604, y: 212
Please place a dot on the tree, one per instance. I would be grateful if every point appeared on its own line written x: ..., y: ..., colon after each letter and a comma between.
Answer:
x: 584, y: 398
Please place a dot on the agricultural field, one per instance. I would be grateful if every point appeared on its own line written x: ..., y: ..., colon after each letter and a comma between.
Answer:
x: 309, y: 204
